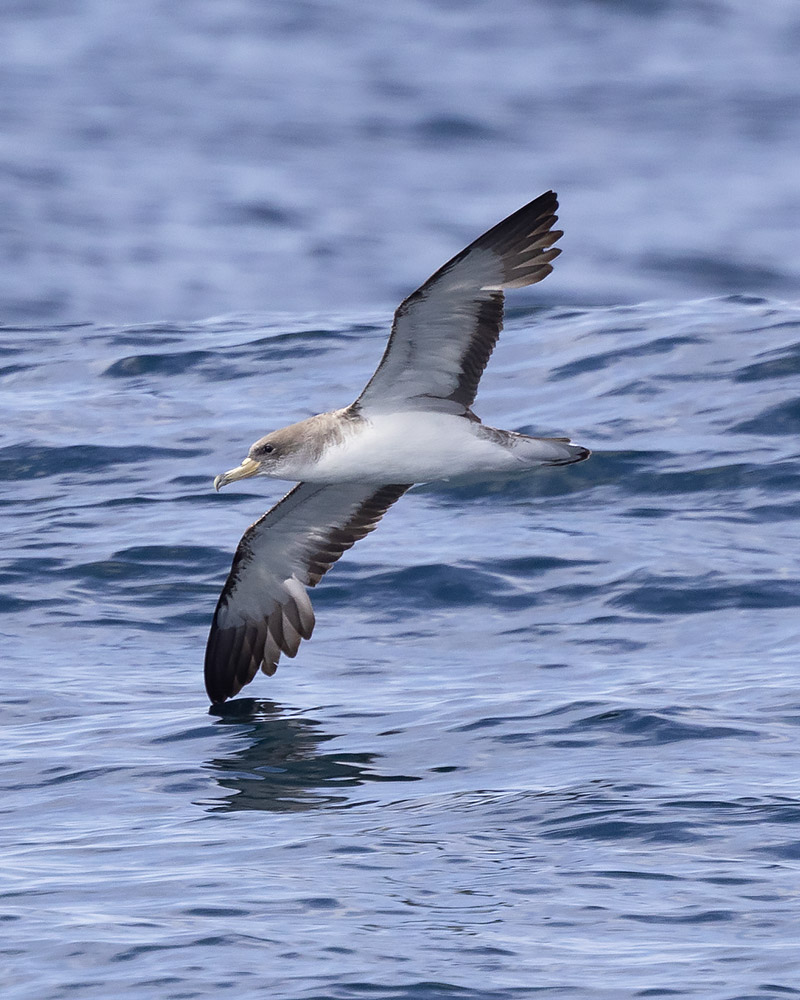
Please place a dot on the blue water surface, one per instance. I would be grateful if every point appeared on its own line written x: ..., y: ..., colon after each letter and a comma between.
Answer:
x: 164, y: 160
x: 545, y: 737
x: 545, y: 741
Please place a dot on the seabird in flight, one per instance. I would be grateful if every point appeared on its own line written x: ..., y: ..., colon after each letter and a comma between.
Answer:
x: 412, y: 423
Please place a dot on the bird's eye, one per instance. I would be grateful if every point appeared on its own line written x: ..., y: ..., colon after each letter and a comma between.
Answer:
x: 268, y: 448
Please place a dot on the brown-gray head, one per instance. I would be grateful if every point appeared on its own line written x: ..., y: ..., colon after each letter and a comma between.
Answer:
x: 272, y: 455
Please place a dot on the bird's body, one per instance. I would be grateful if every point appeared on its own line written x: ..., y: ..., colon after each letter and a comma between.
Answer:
x: 412, y: 446
x: 412, y: 423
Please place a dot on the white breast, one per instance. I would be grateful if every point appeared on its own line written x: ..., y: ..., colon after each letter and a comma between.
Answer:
x: 409, y: 447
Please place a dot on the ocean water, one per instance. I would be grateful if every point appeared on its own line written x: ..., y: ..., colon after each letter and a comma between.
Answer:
x: 545, y: 738
x: 545, y: 741
x: 184, y: 160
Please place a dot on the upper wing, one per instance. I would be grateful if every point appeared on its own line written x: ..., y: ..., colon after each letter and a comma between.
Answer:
x: 444, y: 333
x: 264, y: 609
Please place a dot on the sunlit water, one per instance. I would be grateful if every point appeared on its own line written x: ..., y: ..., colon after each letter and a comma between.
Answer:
x: 546, y: 735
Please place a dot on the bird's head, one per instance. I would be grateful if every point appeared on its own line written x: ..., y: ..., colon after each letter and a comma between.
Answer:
x: 267, y: 457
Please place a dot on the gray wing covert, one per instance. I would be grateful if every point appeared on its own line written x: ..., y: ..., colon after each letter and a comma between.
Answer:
x: 444, y: 333
x: 264, y: 609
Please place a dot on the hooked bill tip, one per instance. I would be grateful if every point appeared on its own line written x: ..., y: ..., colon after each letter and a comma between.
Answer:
x: 248, y: 468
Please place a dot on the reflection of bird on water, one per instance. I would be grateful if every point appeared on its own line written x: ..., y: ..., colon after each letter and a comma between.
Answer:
x: 412, y: 423
x: 281, y: 766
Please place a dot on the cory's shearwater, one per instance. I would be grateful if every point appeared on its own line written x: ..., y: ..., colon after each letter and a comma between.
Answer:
x: 412, y: 423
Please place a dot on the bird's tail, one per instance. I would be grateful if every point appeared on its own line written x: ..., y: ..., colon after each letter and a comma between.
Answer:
x: 533, y: 451
x: 567, y: 451
x: 550, y: 451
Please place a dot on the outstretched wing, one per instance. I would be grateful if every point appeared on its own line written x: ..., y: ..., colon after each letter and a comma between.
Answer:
x: 444, y: 333
x: 264, y: 609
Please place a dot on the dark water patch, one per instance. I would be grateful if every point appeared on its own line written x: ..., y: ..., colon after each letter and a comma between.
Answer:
x: 10, y: 603
x: 272, y: 356
x: 647, y: 513
x: 150, y: 561
x: 644, y: 8
x: 432, y: 585
x: 263, y: 213
x: 69, y: 775
x: 661, y: 992
x: 445, y: 130
x: 132, y: 501
x: 493, y: 722
x: 717, y: 273
x: 157, y: 364
x: 147, y: 334
x: 42, y: 341
x: 529, y: 565
x: 15, y: 369
x: 120, y: 622
x: 194, y: 481
x: 666, y: 483
x: 206, y: 495
x: 730, y: 880
x: 192, y: 733
x: 620, y: 644
x: 745, y: 810
x: 38, y: 309
x: 182, y: 581
x: 319, y: 903
x: 641, y: 728
x: 784, y: 324
x: 29, y: 461
x: 39, y: 335
x: 198, y: 613
x: 534, y: 311
x: 648, y: 876
x: 215, y: 911
x: 784, y: 418
x: 598, y: 362
x: 568, y: 708
x: 639, y: 388
x: 694, y: 917
x: 571, y: 592
x: 636, y: 726
x: 748, y: 299
x: 306, y: 337
x: 545, y: 483
x: 614, y: 329
x: 787, y: 851
x: 655, y: 830
x: 30, y: 568
x: 786, y: 363
x: 654, y: 595
x: 723, y: 480
x: 278, y: 348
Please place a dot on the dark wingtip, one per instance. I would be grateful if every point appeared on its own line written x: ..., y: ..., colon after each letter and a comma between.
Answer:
x: 233, y: 656
x: 220, y: 663
x: 218, y: 686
